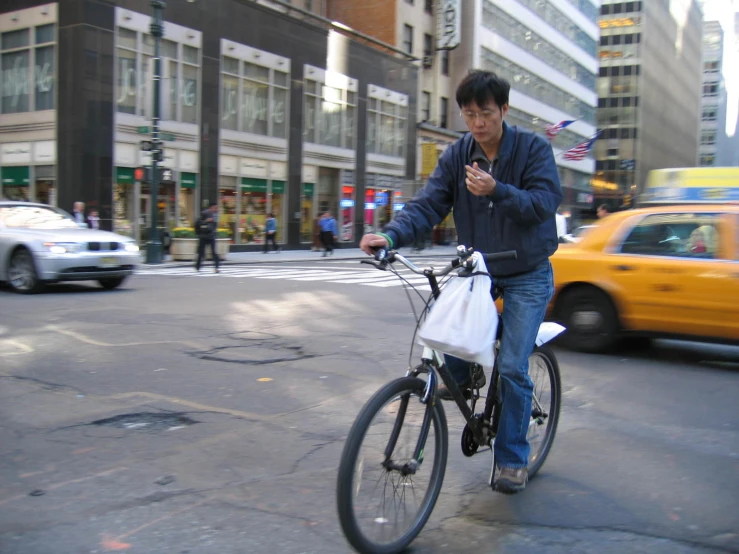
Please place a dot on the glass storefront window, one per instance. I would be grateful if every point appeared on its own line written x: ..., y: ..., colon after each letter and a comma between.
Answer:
x: 329, y: 110
x: 307, y: 203
x: 255, y: 97
x: 369, y: 211
x: 253, y: 210
x: 27, y: 69
x: 346, y: 213
x: 277, y: 201
x: 386, y: 122
x: 227, y: 204
x: 180, y: 74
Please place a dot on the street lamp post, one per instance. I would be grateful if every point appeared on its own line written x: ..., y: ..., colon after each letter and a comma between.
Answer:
x: 154, y: 245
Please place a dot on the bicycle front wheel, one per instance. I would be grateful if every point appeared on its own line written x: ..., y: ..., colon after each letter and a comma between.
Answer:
x: 545, y: 405
x: 383, y: 502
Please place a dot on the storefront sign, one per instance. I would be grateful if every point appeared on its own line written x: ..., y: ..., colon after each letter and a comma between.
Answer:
x: 398, y: 206
x: 15, y: 176
x: 44, y: 152
x: 252, y: 167
x: 16, y: 152
x: 308, y: 189
x: 381, y: 198
x: 188, y: 180
x: 228, y: 165
x: 370, y: 205
x: 249, y: 184
x: 310, y: 175
x: 448, y: 24
x: 346, y: 203
x: 429, y: 158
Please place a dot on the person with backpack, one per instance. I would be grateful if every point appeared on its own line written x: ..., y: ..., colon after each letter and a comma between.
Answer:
x: 205, y: 229
x: 270, y: 233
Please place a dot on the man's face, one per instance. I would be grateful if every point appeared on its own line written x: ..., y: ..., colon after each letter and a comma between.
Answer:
x: 485, y: 122
x: 602, y: 213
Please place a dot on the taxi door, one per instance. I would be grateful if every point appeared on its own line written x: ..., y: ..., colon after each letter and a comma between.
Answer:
x: 671, y: 289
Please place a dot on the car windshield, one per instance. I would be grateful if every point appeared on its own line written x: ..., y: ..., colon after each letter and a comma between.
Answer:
x: 35, y: 217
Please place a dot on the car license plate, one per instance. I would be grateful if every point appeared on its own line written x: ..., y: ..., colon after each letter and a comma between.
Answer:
x: 109, y: 262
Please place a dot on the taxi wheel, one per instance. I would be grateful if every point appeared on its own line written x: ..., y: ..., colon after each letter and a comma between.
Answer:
x: 590, y: 318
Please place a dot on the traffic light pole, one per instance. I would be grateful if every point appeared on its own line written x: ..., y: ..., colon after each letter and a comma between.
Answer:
x: 154, y: 245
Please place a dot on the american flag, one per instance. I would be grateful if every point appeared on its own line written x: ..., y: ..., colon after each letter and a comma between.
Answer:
x: 580, y: 151
x: 553, y: 129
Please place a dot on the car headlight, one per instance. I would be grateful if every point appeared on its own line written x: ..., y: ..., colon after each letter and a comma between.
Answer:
x: 62, y: 247
x: 132, y: 247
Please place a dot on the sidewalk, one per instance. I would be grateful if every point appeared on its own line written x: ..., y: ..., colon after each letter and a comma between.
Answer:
x: 246, y: 258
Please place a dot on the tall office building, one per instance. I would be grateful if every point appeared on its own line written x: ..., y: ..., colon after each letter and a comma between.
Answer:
x: 649, y: 94
x: 713, y: 139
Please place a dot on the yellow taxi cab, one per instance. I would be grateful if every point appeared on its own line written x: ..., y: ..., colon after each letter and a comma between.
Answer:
x: 668, y: 271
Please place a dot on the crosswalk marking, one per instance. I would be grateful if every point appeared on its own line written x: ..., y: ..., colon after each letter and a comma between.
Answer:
x: 340, y: 275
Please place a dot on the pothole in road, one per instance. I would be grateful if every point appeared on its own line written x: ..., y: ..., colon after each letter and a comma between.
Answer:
x: 256, y: 351
x: 147, y: 421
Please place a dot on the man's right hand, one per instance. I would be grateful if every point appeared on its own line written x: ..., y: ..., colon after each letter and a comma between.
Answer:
x: 371, y: 242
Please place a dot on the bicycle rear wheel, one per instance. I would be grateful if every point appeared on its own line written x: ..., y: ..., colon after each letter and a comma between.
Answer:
x: 547, y: 399
x: 382, y: 509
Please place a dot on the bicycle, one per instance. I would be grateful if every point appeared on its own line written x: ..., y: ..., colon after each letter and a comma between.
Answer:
x: 397, y: 471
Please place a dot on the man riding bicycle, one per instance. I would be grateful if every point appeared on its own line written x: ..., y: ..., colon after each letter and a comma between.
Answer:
x: 503, y: 186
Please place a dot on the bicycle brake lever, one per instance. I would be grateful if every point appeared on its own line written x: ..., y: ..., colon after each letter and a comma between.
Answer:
x: 378, y: 265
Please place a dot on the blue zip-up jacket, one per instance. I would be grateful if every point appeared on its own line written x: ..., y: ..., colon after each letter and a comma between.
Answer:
x: 271, y: 224
x: 519, y: 215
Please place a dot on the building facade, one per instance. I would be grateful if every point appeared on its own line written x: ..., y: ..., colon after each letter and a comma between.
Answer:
x: 713, y: 98
x: 262, y: 111
x: 649, y: 94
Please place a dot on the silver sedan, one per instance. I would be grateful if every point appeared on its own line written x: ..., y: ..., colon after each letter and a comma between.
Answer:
x: 42, y: 244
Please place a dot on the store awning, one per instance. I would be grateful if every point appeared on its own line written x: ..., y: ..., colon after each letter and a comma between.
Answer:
x: 188, y: 180
x: 278, y: 187
x: 16, y: 176
x: 250, y: 184
x: 308, y: 189
x: 124, y: 175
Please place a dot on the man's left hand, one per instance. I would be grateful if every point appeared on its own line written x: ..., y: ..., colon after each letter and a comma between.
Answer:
x: 479, y: 182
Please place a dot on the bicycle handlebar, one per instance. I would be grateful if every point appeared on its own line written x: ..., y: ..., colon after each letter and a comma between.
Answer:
x: 384, y: 257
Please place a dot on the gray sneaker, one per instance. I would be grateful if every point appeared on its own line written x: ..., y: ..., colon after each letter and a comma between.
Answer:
x: 510, y: 480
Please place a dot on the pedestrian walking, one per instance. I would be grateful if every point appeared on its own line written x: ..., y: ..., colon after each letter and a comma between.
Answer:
x: 205, y: 228
x: 93, y: 220
x: 270, y: 233
x: 78, y: 213
x: 329, y: 231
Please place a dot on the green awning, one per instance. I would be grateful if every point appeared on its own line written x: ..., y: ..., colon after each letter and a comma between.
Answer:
x: 188, y: 180
x: 308, y: 189
x: 250, y: 184
x: 278, y: 187
x: 16, y: 176
x: 124, y: 175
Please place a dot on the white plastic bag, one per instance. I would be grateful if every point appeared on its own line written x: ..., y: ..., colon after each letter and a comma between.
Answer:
x: 463, y: 322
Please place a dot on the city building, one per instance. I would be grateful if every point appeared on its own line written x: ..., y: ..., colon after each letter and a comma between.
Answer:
x: 546, y: 50
x: 262, y: 110
x: 649, y: 94
x: 713, y: 140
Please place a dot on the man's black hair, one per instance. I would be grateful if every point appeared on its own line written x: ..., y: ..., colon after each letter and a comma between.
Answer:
x: 212, y: 204
x: 481, y: 87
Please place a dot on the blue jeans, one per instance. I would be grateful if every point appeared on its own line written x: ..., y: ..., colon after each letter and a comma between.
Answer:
x: 526, y: 297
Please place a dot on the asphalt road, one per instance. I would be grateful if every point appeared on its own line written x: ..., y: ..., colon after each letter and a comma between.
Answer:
x: 206, y: 414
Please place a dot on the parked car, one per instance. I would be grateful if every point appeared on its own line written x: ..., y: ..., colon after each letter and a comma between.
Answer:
x: 658, y: 272
x: 42, y: 244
